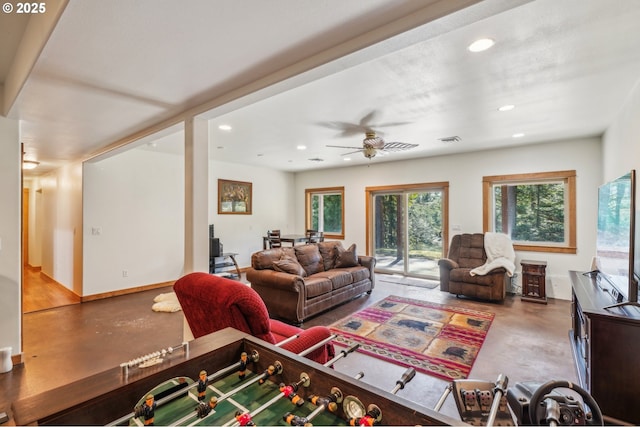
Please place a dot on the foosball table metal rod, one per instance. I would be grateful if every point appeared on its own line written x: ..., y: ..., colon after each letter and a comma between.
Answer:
x: 203, y: 410
x: 443, y: 398
x: 343, y: 353
x: 285, y: 391
x: 406, y: 377
x: 222, y: 372
x: 287, y: 340
x: 498, y: 392
x: 328, y: 402
x: 318, y: 345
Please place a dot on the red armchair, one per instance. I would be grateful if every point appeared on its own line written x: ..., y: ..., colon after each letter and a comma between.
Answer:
x: 211, y: 303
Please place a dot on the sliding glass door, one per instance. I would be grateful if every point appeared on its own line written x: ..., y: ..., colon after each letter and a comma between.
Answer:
x: 408, y: 229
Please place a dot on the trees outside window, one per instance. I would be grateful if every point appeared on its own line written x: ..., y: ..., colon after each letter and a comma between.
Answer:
x: 536, y: 210
x: 324, y: 211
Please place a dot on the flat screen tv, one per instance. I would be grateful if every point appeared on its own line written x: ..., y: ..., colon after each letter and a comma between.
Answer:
x: 615, y: 243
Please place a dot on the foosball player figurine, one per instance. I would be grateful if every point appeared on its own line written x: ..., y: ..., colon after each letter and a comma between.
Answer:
x: 147, y: 410
x: 289, y: 392
x: 372, y: 417
x: 204, y: 409
x: 295, y: 420
x: 202, y: 385
x: 243, y: 365
x: 267, y: 372
x: 244, y: 419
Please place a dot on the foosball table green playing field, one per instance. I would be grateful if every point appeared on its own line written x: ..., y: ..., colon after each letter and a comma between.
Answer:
x: 224, y: 379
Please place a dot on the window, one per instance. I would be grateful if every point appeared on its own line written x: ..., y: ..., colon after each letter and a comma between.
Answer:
x: 537, y: 210
x: 324, y: 211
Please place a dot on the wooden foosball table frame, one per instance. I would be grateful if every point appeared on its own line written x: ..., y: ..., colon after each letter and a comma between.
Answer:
x: 112, y: 394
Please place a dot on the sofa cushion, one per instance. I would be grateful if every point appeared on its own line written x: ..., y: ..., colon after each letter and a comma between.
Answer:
x: 317, y: 285
x: 339, y: 277
x: 359, y: 273
x: 264, y: 260
x: 463, y: 275
x: 328, y: 253
x: 346, y: 257
x: 289, y: 265
x: 309, y: 258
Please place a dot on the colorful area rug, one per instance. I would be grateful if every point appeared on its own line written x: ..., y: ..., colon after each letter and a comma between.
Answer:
x: 435, y: 339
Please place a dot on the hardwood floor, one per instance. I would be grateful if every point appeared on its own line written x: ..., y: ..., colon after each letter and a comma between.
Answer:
x: 41, y: 292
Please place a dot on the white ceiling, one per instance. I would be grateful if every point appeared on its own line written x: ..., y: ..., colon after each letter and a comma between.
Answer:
x: 113, y: 68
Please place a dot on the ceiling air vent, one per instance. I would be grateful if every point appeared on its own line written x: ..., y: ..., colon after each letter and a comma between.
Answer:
x: 449, y: 139
x: 316, y: 159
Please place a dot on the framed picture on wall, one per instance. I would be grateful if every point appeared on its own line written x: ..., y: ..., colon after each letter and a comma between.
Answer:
x: 234, y: 197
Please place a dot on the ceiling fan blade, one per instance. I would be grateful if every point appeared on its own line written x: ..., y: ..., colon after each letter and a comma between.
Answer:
x: 342, y: 146
x: 351, y: 152
x: 398, y: 146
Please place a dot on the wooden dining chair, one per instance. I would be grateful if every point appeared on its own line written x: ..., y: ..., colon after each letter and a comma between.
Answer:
x: 274, y: 239
x: 314, y: 236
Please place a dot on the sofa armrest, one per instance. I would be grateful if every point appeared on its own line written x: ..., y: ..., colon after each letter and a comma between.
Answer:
x: 369, y: 262
x: 277, y: 280
x: 447, y: 263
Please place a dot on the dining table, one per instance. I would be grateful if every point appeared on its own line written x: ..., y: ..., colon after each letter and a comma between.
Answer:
x: 286, y: 238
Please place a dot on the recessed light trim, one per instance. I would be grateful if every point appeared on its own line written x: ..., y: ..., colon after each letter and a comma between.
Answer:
x: 301, y: 147
x: 517, y: 135
x: 225, y: 127
x: 481, y: 45
x: 506, y: 107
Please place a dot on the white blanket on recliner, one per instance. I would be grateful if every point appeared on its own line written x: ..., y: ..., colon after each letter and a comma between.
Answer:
x: 500, y: 253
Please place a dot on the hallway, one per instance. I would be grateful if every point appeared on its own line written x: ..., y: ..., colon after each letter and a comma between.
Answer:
x: 41, y: 293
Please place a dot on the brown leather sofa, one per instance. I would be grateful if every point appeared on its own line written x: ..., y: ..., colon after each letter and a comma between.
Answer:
x: 466, y: 253
x: 298, y: 282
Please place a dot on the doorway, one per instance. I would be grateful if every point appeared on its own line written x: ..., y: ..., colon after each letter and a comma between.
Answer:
x: 408, y: 228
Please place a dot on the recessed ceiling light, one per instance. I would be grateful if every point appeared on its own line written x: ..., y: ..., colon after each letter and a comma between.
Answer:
x: 480, y: 45
x: 518, y: 135
x: 507, y: 107
x: 301, y: 147
x: 347, y: 159
x: 225, y: 127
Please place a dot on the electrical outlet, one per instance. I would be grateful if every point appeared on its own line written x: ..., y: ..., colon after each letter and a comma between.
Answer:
x: 125, y: 273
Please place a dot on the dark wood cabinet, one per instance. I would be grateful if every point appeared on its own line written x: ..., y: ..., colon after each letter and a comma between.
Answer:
x: 533, y: 281
x: 606, y: 347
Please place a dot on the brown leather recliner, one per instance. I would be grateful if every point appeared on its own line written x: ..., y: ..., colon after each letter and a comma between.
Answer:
x: 466, y: 253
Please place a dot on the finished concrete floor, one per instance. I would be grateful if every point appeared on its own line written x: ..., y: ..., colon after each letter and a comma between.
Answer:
x: 526, y: 342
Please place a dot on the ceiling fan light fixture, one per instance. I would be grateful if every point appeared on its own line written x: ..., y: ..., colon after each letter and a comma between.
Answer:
x: 371, y: 140
x: 29, y: 164
x: 370, y: 151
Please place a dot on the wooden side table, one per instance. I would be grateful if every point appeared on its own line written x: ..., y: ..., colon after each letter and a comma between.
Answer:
x: 533, y: 281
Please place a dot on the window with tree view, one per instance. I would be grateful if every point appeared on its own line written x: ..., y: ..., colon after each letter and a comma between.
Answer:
x: 325, y: 211
x: 536, y: 210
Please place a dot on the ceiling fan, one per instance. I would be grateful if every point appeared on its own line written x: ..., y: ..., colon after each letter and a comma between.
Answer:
x: 373, y: 144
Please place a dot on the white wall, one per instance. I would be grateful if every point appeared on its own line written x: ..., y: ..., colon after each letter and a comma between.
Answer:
x: 10, y: 244
x: 273, y: 208
x: 133, y: 220
x: 464, y: 173
x: 621, y: 142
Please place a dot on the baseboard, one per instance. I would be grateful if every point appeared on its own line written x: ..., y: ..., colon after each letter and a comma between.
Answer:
x: 59, y: 285
x: 127, y: 291
x: 17, y: 359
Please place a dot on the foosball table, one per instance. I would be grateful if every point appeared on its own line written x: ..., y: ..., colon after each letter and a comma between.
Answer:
x: 225, y: 378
